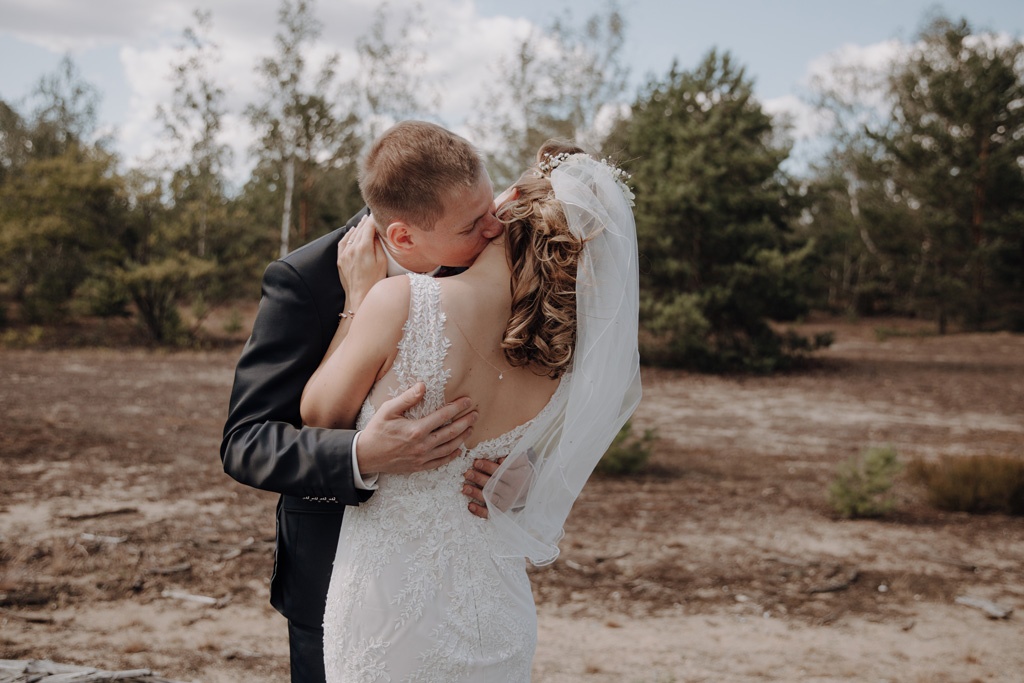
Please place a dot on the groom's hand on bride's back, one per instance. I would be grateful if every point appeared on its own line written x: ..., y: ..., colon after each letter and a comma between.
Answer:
x: 395, y: 444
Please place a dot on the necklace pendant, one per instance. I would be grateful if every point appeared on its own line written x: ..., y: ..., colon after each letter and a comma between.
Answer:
x: 501, y: 375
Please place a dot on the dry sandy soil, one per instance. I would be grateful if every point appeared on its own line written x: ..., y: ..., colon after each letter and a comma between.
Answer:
x: 722, y: 562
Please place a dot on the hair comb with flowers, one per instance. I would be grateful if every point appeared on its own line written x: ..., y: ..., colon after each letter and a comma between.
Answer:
x: 553, y: 161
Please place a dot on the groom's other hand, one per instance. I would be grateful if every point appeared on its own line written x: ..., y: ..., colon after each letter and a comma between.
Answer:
x: 475, y: 480
x: 395, y: 444
x: 508, y: 493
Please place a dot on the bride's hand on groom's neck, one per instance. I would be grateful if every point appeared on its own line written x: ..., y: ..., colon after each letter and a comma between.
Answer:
x: 361, y: 261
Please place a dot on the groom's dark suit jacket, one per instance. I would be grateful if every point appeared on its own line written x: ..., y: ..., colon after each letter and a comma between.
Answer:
x: 265, y: 445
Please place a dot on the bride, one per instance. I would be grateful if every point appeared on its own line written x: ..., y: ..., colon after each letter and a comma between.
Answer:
x: 541, y: 332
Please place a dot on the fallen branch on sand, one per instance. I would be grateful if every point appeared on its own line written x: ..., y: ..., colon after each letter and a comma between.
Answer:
x: 28, y: 617
x: 838, y: 585
x: 200, y: 599
x: 189, y: 597
x: 12, y: 671
x: 113, y: 540
x: 172, y: 569
x: 101, y: 513
x: 991, y: 609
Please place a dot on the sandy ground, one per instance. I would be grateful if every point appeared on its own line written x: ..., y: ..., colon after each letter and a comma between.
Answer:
x: 722, y: 562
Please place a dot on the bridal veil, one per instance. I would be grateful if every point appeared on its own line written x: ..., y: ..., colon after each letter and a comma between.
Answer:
x: 531, y: 494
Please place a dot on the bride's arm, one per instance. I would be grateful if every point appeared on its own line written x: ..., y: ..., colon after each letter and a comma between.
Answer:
x: 361, y: 265
x: 360, y: 353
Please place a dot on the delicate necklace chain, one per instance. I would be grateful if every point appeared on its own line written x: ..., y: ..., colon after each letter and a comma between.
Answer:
x: 501, y: 373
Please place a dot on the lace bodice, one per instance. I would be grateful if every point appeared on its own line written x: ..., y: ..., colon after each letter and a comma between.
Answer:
x: 419, y: 592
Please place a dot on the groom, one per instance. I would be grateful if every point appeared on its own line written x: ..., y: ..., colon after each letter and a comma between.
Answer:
x: 319, y: 471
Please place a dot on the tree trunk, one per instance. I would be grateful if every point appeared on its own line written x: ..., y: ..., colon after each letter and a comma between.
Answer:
x: 286, y: 215
x: 307, y: 190
x: 942, y: 316
x: 203, y: 210
x: 978, y: 235
x: 303, y: 219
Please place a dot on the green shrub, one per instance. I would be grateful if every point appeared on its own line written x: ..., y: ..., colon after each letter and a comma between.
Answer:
x: 862, y: 484
x: 233, y: 325
x: 978, y: 483
x: 200, y: 308
x: 103, y: 297
x: 628, y: 453
x: 27, y: 338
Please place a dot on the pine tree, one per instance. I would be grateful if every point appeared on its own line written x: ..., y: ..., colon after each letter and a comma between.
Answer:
x: 714, y: 210
x: 955, y: 141
x: 60, y: 209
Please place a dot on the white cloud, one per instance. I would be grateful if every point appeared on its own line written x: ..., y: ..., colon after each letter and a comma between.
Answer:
x: 463, y: 60
x: 146, y: 71
x: 856, y: 73
x: 461, y: 48
x: 803, y: 120
x: 874, y: 57
x: 62, y: 26
x: 853, y: 73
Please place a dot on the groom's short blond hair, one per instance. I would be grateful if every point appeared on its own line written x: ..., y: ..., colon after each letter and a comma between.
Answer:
x: 412, y: 169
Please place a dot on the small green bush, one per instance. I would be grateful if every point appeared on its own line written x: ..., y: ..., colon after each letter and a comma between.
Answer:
x: 103, y: 297
x: 862, y: 484
x: 628, y: 453
x: 27, y: 338
x: 233, y: 325
x: 977, y: 484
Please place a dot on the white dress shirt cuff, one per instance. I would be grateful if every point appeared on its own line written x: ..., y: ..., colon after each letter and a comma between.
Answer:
x: 367, y: 482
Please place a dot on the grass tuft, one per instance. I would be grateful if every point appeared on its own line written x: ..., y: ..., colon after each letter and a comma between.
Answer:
x: 628, y: 453
x: 976, y: 484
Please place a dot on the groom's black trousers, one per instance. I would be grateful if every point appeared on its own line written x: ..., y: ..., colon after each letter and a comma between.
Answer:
x: 307, y: 653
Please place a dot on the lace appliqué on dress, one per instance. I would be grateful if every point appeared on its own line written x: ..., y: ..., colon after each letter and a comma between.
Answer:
x: 415, y: 595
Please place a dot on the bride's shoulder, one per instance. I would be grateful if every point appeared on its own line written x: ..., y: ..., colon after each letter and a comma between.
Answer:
x: 388, y: 297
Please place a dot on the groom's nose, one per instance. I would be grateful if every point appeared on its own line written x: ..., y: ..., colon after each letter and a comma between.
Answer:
x: 492, y: 227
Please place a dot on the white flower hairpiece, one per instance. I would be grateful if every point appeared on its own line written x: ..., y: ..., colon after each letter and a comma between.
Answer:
x: 553, y: 161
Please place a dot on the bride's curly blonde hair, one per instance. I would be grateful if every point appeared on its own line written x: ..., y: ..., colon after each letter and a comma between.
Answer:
x: 543, y: 255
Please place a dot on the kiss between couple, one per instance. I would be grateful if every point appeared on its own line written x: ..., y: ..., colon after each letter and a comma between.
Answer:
x: 345, y: 395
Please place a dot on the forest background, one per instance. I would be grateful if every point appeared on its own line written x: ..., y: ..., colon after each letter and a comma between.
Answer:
x: 914, y: 206
x: 857, y: 519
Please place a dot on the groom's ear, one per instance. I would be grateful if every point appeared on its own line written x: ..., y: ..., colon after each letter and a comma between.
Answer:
x: 400, y: 236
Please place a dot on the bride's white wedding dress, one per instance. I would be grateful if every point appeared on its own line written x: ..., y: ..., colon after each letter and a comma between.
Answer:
x: 420, y: 590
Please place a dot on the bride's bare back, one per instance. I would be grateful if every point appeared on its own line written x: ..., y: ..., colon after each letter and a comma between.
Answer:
x: 476, y: 306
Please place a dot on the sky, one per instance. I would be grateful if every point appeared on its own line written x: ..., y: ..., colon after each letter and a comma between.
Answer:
x: 125, y: 47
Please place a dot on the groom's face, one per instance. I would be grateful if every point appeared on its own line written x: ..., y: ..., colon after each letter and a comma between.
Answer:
x: 465, y: 228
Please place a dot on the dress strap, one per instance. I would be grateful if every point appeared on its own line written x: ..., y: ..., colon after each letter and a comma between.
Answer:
x: 424, y: 347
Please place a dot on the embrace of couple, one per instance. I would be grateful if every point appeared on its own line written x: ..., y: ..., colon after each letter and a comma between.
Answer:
x: 403, y: 401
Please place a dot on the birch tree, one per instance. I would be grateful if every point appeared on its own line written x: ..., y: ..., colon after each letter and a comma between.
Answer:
x: 559, y: 82
x: 290, y: 104
x: 193, y: 122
